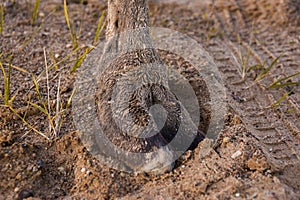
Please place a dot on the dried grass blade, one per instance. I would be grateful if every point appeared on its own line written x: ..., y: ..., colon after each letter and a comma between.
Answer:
x: 27, y: 124
x: 58, y: 113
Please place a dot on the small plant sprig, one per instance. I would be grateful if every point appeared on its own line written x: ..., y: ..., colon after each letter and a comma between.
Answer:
x: 100, y: 27
x: 55, y: 117
x: 278, y: 83
x: 264, y: 70
x: 244, y: 58
x: 7, y: 81
x: 283, y: 82
x: 6, y: 67
x: 8, y: 101
x: 70, y: 26
x: 6, y: 77
x: 80, y: 60
x: 278, y: 102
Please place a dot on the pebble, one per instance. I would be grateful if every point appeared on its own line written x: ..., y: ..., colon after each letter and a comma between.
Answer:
x: 25, y: 193
x: 237, y: 194
x: 69, y: 46
x: 226, y: 140
x: 206, y: 148
x: 35, y: 169
x: 30, y: 167
x: 61, y: 169
x: 39, y: 163
x: 236, y: 154
x: 41, y: 14
x: 19, y: 176
x: 83, y: 170
x: 8, y: 4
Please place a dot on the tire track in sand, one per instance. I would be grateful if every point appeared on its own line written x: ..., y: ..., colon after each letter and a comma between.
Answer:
x: 253, y: 29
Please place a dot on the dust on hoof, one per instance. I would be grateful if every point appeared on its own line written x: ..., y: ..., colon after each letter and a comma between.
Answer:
x: 126, y: 117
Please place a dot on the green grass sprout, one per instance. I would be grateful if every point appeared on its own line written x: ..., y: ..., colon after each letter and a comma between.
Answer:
x: 6, y: 69
x: 70, y: 99
x: 263, y: 69
x: 80, y: 60
x: 35, y: 11
x: 244, y: 57
x: 5, y: 96
x: 7, y: 81
x: 278, y: 102
x: 1, y: 17
x: 70, y: 26
x: 279, y: 82
x: 100, y: 27
x: 36, y: 85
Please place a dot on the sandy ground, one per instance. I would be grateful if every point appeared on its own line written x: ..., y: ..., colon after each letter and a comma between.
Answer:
x: 257, y: 155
